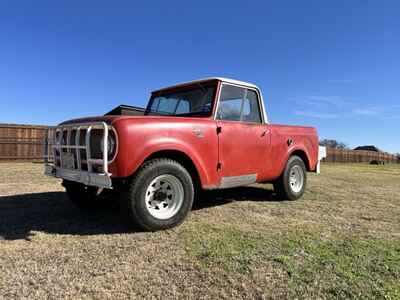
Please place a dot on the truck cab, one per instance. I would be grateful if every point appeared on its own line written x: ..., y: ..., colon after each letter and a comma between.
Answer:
x: 205, y: 134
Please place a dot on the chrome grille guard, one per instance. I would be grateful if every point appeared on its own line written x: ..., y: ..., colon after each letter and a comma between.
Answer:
x: 60, y: 149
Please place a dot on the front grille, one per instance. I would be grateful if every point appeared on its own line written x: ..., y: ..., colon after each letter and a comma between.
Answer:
x: 79, y: 147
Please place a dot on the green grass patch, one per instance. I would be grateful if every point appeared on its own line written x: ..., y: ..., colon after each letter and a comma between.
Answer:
x: 338, y: 266
x: 230, y: 249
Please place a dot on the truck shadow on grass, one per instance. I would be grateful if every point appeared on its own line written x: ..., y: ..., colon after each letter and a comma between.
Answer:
x: 51, y: 212
x: 221, y: 197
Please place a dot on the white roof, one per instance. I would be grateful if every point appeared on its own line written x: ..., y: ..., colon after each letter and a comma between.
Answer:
x: 228, y: 80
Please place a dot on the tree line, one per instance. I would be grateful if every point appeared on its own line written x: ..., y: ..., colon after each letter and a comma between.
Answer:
x: 333, y: 144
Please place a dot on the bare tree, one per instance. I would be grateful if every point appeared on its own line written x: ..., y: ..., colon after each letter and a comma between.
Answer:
x: 333, y: 144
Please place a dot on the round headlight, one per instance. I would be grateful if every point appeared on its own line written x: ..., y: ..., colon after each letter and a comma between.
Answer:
x: 110, y: 146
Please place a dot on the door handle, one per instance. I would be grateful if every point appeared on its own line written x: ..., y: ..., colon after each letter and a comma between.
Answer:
x: 264, y: 133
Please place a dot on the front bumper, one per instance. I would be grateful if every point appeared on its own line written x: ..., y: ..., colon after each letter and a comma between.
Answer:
x: 93, y: 179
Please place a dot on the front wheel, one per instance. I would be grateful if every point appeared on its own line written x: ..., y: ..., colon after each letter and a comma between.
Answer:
x: 159, y: 196
x: 292, y: 183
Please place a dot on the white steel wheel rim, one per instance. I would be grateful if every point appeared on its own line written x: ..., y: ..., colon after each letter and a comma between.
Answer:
x: 164, y: 196
x: 296, y: 179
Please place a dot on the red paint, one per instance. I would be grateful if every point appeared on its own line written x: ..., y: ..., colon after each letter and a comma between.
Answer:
x: 240, y: 148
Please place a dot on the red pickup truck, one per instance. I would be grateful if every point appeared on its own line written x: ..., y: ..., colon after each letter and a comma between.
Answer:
x: 205, y: 134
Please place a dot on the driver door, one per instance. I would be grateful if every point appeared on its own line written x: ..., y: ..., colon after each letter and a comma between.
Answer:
x: 243, y: 137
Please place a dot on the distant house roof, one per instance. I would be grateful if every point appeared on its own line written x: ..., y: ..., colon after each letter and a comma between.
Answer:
x: 368, y: 148
x: 128, y: 110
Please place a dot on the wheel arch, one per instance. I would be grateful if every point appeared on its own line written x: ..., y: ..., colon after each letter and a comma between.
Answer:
x: 182, y: 158
x: 304, y: 157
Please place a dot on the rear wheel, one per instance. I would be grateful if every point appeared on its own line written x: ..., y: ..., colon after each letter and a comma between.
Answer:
x: 81, y: 195
x: 159, y: 196
x: 292, y: 183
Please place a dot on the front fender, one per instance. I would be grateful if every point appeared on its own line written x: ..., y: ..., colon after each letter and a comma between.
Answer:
x: 140, y: 141
x: 167, y: 143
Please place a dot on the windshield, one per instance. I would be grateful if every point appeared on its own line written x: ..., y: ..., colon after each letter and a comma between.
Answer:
x: 191, y: 100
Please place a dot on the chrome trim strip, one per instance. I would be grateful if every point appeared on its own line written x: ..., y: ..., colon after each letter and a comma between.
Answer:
x: 69, y: 140
x: 72, y: 147
x: 88, y: 151
x: 234, y: 181
x: 105, y: 149
x: 78, y: 149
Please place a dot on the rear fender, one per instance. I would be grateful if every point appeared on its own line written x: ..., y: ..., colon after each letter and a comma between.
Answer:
x: 302, y: 152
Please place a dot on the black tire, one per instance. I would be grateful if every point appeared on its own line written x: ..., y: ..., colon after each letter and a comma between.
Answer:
x: 81, y: 195
x: 283, y: 187
x: 133, y: 197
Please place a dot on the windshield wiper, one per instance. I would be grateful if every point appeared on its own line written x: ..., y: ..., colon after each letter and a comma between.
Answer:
x: 198, y: 113
x: 158, y: 112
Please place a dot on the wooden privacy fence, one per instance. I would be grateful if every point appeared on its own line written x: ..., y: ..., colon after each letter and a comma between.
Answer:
x: 358, y: 156
x: 26, y: 142
x: 22, y: 142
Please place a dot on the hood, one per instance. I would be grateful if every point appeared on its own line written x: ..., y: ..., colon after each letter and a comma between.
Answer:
x: 111, y: 119
x: 107, y: 119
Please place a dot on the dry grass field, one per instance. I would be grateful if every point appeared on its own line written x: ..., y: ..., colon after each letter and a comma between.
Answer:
x: 342, y: 240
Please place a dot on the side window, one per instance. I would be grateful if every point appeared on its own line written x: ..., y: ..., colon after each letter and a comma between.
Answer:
x: 238, y: 104
x: 251, y: 109
x: 230, y: 103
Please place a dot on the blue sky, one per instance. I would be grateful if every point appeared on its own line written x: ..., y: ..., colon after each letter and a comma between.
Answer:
x: 330, y: 64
